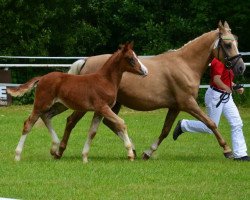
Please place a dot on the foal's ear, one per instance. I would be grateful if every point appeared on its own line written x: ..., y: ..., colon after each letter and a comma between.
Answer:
x: 131, y: 45
x: 127, y: 46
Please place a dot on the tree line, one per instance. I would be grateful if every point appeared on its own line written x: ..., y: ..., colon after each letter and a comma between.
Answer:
x: 91, y: 27
x: 77, y: 28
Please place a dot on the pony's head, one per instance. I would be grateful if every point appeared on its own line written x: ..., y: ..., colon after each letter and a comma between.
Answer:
x: 131, y: 61
x: 226, y: 49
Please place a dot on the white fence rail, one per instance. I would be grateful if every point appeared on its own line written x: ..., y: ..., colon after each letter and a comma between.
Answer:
x: 7, y: 66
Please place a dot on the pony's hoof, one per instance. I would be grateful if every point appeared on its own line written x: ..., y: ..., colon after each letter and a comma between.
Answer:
x: 228, y: 155
x: 145, y: 156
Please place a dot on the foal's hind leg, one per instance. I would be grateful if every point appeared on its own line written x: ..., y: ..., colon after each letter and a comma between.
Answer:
x: 28, y: 124
x: 55, y: 139
x: 169, y: 120
x: 91, y: 134
x: 71, y: 122
x: 111, y: 125
x: 120, y: 127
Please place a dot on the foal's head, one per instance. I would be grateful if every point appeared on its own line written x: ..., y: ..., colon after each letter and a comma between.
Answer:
x: 130, y: 60
x: 226, y: 49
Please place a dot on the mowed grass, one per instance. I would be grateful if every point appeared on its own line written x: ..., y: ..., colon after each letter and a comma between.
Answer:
x: 192, y: 167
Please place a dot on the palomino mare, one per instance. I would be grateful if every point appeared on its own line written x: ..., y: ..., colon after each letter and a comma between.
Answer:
x: 94, y: 92
x: 173, y: 82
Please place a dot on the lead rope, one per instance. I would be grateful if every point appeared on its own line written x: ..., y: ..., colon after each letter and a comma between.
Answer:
x: 224, y: 97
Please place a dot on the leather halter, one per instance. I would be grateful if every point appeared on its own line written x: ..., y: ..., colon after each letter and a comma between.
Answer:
x: 228, y: 59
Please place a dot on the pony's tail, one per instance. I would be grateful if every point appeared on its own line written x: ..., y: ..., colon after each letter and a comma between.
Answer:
x: 24, y: 88
x: 76, y: 67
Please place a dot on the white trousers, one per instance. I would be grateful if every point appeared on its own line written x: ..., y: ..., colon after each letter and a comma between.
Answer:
x: 230, y: 111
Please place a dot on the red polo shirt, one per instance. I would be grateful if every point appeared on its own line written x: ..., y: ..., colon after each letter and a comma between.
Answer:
x: 218, y: 68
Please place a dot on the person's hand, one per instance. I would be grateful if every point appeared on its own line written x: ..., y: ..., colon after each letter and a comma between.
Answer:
x: 240, y: 90
x: 228, y: 89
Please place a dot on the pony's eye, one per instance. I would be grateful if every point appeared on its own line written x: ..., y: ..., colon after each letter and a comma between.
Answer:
x: 228, y: 46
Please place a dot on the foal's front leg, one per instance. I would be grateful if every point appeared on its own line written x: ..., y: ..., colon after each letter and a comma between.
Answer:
x: 120, y: 127
x: 91, y: 134
x: 116, y: 108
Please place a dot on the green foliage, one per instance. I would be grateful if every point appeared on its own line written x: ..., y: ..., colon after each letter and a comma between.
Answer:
x: 91, y: 27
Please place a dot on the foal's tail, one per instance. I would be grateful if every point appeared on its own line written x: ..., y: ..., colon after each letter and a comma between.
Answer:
x: 76, y: 67
x: 24, y: 88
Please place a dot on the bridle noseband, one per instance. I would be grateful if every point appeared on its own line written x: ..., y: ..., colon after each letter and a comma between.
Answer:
x: 228, y: 59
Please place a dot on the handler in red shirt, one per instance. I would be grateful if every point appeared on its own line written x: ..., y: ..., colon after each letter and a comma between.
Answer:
x: 218, y: 100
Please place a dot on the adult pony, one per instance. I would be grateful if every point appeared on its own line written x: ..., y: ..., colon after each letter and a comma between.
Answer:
x: 94, y: 92
x: 173, y: 82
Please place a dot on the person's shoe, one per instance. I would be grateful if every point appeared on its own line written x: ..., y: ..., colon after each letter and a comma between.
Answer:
x: 244, y: 158
x: 177, y: 130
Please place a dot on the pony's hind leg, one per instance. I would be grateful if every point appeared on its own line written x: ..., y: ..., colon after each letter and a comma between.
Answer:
x: 121, y: 127
x: 28, y: 124
x: 91, y: 134
x: 55, y: 139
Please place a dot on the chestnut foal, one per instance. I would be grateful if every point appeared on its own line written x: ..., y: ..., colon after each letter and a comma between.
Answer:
x: 94, y: 92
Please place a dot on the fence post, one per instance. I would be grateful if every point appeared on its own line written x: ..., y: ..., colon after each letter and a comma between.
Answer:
x: 5, y: 77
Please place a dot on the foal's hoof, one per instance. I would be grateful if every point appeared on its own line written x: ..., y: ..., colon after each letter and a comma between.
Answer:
x: 145, y: 156
x: 17, y: 158
x: 134, y: 151
x: 57, y: 155
x: 228, y: 155
x: 52, y: 152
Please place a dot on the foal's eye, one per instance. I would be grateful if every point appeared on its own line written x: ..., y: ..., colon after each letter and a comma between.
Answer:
x: 131, y: 61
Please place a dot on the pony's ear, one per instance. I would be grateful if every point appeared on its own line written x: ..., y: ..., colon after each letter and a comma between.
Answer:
x: 226, y: 26
x: 221, y: 27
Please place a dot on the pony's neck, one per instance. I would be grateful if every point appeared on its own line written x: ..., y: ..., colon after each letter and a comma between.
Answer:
x: 198, y: 53
x: 112, y: 70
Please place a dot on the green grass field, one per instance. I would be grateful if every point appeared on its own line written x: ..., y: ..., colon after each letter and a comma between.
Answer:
x: 193, y: 167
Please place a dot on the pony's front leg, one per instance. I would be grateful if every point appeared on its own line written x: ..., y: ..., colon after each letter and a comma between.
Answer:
x: 195, y: 111
x: 96, y: 120
x: 169, y: 120
x: 121, y: 128
x: 28, y: 124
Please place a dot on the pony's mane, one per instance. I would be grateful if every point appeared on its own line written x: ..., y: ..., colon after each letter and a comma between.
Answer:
x: 189, y: 42
x: 192, y: 41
